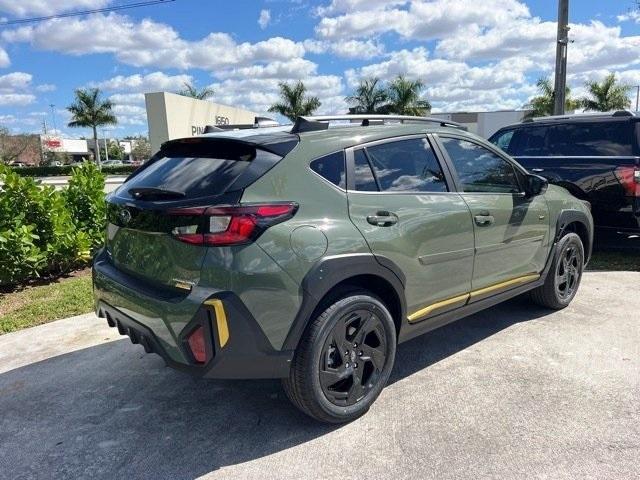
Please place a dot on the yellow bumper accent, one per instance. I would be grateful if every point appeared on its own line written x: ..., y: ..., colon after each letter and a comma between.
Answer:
x: 221, y: 320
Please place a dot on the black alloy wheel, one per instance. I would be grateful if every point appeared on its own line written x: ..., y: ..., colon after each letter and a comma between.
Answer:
x: 353, y: 357
x: 568, y: 271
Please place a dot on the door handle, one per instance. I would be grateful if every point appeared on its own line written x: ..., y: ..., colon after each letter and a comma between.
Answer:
x: 483, y: 220
x: 383, y: 219
x: 537, y: 170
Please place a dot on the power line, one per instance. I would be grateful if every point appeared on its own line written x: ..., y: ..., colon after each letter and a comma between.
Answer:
x: 86, y: 12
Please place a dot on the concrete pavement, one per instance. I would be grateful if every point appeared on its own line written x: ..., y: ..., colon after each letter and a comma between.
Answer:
x: 513, y: 392
x: 111, y: 182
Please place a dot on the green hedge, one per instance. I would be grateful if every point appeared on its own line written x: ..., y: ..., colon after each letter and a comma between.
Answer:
x: 67, y: 169
x: 44, y: 231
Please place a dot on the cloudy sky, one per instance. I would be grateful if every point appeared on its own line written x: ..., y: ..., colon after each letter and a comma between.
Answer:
x: 472, y: 55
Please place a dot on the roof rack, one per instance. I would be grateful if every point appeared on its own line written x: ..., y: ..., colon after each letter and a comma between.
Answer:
x: 312, y: 124
x: 617, y: 113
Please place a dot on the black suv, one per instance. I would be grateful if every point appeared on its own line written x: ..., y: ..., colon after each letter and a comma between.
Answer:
x: 594, y: 156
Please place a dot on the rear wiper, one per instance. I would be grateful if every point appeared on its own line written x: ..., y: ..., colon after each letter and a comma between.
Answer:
x: 145, y: 192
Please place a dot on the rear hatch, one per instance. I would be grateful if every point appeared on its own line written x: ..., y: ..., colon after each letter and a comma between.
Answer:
x: 153, y: 217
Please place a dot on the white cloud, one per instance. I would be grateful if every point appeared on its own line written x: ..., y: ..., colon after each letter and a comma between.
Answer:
x: 5, y: 61
x: 16, y: 99
x: 150, y: 44
x: 421, y: 20
x: 264, y: 19
x: 354, y: 49
x: 22, y: 8
x: 14, y: 81
x: 631, y: 16
x: 152, y: 82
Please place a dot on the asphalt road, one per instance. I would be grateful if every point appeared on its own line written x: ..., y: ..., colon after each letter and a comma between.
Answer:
x: 514, y: 392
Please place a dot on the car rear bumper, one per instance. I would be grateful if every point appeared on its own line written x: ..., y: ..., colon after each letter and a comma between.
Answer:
x: 161, y: 320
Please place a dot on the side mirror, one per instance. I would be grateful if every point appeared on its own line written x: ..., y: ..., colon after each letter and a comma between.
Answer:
x: 535, y: 185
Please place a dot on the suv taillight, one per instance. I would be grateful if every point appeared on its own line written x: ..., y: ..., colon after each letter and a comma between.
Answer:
x: 229, y: 225
x: 629, y: 178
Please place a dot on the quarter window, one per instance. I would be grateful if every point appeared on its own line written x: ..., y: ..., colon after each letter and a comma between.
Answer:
x: 331, y: 167
x: 407, y: 166
x: 479, y: 169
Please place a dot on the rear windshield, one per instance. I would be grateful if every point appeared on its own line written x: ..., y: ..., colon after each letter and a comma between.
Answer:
x: 193, y: 170
x: 585, y: 139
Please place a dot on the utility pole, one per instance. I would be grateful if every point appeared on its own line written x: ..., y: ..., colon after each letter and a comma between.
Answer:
x: 637, y: 96
x: 561, y: 57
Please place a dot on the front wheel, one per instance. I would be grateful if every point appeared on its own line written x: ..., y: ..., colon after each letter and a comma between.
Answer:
x: 564, y: 277
x: 344, y: 359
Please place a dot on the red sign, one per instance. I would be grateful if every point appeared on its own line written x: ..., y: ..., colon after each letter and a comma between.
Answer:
x: 53, y: 143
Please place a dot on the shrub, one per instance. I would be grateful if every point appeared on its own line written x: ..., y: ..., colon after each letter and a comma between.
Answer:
x: 68, y: 169
x: 37, y: 233
x: 85, y: 201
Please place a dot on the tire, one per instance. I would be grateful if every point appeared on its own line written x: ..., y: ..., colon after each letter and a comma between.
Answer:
x: 344, y: 359
x: 564, y: 276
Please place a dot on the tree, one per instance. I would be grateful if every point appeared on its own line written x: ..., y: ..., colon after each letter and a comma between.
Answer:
x: 141, y: 149
x: 294, y: 102
x: 607, y: 96
x: 90, y: 111
x: 192, y: 92
x: 543, y: 104
x: 116, y: 152
x: 404, y: 97
x: 368, y: 97
x: 13, y: 146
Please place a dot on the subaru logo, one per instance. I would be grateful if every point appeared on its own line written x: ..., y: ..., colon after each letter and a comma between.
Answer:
x: 124, y: 216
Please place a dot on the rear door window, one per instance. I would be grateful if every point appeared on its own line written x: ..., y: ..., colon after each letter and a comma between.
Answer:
x: 195, y: 170
x: 407, y: 166
x: 579, y: 139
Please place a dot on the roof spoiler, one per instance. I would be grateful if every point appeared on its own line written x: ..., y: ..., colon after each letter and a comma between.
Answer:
x: 312, y: 124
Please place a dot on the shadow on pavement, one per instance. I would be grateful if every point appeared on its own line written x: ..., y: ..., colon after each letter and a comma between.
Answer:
x: 111, y: 411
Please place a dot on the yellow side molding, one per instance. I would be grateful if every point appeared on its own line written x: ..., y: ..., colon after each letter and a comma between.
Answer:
x: 460, y: 300
x: 482, y: 292
x: 221, y: 320
x: 450, y: 302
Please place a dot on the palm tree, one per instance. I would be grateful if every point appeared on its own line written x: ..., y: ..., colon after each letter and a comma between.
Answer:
x: 404, y: 97
x: 192, y: 92
x: 543, y: 104
x: 368, y: 97
x: 294, y: 102
x: 607, y: 96
x: 89, y: 110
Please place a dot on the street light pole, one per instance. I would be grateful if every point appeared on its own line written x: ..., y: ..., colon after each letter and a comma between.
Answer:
x: 561, y: 57
x: 53, y: 116
x: 106, y: 146
x: 637, y: 96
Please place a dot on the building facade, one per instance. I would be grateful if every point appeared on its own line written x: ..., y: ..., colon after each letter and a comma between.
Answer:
x: 175, y: 116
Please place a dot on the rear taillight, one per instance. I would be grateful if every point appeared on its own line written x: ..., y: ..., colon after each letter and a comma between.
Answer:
x: 229, y: 225
x: 196, y: 341
x: 629, y: 178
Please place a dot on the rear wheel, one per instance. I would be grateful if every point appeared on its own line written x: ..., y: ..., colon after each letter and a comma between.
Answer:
x: 564, y: 277
x: 344, y: 359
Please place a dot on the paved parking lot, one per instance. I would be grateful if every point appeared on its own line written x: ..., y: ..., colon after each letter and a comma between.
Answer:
x: 514, y: 392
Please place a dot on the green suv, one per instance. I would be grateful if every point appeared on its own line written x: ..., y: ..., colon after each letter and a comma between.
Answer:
x: 308, y: 253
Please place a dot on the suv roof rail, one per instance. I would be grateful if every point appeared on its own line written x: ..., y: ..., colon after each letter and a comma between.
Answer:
x: 315, y: 123
x: 551, y: 118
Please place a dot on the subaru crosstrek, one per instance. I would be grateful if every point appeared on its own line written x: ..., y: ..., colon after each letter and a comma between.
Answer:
x: 309, y: 253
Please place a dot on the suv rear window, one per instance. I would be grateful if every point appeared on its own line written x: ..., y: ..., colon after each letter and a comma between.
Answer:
x: 579, y: 139
x: 191, y: 169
